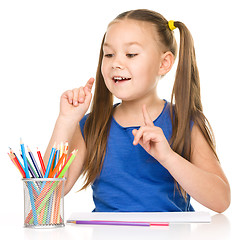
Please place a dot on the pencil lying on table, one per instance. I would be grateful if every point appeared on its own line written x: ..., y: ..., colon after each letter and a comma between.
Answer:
x: 119, y: 223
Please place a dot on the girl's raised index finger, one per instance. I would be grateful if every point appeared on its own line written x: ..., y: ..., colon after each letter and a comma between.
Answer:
x: 90, y: 83
x: 147, y: 118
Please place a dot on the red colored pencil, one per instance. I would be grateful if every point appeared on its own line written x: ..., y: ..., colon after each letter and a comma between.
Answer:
x: 17, y: 164
x: 41, y: 161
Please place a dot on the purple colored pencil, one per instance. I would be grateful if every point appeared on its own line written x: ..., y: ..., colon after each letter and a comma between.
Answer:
x: 117, y: 223
x: 110, y: 223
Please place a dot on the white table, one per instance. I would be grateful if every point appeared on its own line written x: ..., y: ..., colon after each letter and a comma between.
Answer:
x: 222, y: 227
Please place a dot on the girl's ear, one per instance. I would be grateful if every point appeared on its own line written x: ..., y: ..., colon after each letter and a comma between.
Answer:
x: 167, y: 61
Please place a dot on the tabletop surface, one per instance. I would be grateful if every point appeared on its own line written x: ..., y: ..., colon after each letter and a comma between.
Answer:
x: 222, y: 226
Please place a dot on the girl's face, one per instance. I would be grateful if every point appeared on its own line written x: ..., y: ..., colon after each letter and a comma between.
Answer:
x: 132, y: 59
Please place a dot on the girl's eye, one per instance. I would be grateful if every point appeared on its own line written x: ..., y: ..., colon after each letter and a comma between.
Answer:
x: 131, y: 55
x: 108, y: 55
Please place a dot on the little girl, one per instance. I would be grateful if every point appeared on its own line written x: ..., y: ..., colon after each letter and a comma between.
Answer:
x: 143, y: 154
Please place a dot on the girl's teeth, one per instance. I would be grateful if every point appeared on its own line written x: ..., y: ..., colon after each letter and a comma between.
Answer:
x: 117, y: 79
x: 120, y: 78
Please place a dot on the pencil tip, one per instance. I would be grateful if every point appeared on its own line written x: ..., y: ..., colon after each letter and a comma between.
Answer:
x: 70, y: 221
x: 75, y: 151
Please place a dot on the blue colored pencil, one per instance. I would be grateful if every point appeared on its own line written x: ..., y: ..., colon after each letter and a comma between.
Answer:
x: 24, y: 159
x: 35, y: 218
x: 29, y: 185
x: 50, y: 161
x: 56, y: 157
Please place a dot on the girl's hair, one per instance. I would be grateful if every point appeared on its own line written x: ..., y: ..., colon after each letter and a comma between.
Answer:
x: 185, y: 107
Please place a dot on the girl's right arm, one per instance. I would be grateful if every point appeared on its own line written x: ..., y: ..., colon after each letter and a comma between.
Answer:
x: 73, y: 106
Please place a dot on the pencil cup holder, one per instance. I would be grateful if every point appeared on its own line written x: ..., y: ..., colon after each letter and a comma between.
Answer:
x: 43, y: 202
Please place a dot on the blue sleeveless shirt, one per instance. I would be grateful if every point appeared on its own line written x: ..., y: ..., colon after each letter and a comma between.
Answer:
x: 131, y: 180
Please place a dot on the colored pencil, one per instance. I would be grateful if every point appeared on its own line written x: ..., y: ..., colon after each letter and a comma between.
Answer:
x: 66, y: 146
x: 52, y: 165
x: 17, y: 164
x: 65, y: 150
x: 30, y: 167
x: 61, y: 160
x: 11, y: 151
x: 48, y: 189
x: 29, y: 185
x: 50, y: 161
x: 35, y: 218
x: 67, y: 164
x: 61, y: 149
x: 45, y: 198
x: 34, y: 162
x: 41, y: 161
x: 24, y: 159
x: 119, y: 223
x: 57, y: 156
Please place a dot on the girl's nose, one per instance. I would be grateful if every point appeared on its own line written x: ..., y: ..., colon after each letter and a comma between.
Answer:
x: 117, y: 63
x: 117, y: 67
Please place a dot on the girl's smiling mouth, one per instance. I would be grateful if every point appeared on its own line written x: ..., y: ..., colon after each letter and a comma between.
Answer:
x: 120, y: 79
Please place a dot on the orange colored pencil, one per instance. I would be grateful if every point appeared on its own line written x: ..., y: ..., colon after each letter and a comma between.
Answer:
x: 52, y: 166
x: 57, y: 204
x: 14, y: 163
x: 52, y: 174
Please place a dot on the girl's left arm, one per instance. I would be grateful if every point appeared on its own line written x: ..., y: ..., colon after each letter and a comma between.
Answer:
x: 202, y: 178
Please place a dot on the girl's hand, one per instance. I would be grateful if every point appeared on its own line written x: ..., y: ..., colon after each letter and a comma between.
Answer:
x: 152, y: 139
x: 75, y: 103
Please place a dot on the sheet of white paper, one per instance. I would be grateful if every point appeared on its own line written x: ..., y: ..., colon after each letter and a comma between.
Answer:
x: 171, y: 217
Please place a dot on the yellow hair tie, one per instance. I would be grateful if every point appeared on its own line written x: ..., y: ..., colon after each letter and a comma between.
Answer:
x: 171, y: 25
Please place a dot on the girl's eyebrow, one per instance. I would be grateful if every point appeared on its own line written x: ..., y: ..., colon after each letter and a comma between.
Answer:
x: 126, y: 44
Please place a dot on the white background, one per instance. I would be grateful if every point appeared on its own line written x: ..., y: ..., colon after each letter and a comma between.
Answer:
x: 47, y: 47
